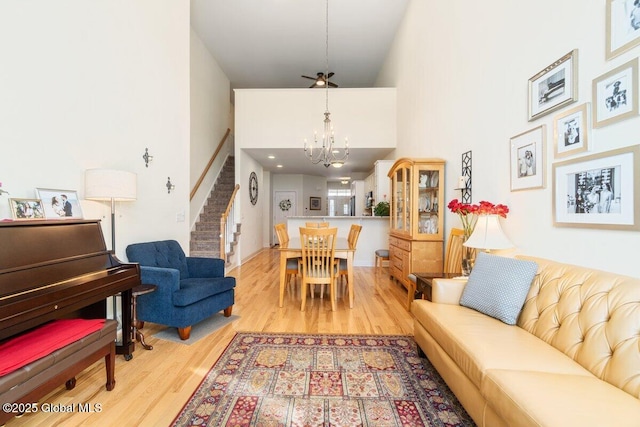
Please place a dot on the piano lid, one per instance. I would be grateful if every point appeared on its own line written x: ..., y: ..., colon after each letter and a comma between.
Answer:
x: 36, y: 253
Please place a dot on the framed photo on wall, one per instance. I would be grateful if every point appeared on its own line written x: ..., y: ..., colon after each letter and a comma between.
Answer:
x: 554, y: 87
x: 314, y: 203
x: 615, y: 94
x: 26, y: 209
x: 571, y: 133
x: 623, y: 26
x: 598, y: 191
x: 527, y: 159
x: 60, y: 204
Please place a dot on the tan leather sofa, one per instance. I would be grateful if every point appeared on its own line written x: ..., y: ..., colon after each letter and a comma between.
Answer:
x: 572, y: 360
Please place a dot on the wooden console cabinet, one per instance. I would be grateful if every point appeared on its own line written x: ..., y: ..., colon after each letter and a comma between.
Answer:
x: 415, y: 233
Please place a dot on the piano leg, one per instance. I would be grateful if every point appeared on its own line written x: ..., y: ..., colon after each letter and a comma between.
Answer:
x: 127, y: 346
x: 110, y: 365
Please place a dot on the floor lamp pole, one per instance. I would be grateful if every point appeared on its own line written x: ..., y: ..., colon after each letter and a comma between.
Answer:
x: 114, y: 298
x: 113, y: 225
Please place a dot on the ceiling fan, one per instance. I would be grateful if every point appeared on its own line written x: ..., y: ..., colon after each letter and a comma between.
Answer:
x: 321, y: 79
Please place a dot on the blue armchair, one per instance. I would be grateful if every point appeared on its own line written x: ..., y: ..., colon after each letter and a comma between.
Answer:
x: 189, y: 289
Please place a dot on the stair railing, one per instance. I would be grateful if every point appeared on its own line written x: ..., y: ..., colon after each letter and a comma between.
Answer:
x: 206, y: 169
x: 228, y: 226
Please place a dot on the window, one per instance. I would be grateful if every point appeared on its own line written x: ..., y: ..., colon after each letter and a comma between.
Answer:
x: 339, y: 192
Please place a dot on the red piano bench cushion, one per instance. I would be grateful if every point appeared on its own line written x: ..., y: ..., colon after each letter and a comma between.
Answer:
x: 23, y: 349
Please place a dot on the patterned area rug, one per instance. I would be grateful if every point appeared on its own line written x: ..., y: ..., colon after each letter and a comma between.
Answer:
x: 322, y: 380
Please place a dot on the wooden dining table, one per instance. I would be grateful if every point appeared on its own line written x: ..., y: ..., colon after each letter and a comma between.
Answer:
x: 293, y: 249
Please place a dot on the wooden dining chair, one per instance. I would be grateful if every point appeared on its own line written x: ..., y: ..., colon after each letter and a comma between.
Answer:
x: 318, y: 261
x: 453, y: 254
x: 352, y: 239
x: 293, y: 264
x: 317, y: 225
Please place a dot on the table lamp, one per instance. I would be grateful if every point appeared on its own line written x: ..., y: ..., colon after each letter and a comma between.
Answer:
x: 488, y: 234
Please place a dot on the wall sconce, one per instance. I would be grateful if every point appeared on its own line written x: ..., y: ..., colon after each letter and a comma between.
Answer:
x: 169, y: 185
x: 147, y: 158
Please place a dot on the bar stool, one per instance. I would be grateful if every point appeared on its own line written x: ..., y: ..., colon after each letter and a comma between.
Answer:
x: 381, y: 255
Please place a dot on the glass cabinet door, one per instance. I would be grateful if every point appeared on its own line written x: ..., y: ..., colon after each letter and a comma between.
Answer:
x: 401, y: 201
x: 416, y: 209
x: 408, y: 202
x: 398, y: 205
x: 428, y: 199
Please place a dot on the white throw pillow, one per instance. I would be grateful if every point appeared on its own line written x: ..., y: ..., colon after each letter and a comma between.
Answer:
x: 498, y: 286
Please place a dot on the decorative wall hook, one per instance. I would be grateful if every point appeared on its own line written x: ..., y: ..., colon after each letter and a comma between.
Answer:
x: 147, y: 158
x: 169, y: 185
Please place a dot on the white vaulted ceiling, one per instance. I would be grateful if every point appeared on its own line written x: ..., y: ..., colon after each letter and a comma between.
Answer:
x: 271, y: 43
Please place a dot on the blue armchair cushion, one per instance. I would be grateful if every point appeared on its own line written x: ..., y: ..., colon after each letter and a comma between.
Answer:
x: 194, y: 290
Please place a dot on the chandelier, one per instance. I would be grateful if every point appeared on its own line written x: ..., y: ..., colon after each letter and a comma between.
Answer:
x: 329, y: 154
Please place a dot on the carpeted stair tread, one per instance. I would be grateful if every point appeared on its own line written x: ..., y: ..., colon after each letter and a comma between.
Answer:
x: 205, y: 239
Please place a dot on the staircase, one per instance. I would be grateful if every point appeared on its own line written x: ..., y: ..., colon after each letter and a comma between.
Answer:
x: 205, y: 240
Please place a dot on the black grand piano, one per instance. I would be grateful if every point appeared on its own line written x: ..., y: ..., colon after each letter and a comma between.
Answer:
x: 60, y: 269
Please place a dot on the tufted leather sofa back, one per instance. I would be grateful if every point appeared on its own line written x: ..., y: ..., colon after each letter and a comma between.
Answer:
x: 591, y: 316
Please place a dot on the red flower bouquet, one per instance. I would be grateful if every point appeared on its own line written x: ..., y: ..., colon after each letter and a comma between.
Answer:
x: 469, y: 213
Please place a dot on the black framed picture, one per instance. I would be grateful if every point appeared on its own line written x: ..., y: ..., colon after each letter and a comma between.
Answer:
x: 314, y: 203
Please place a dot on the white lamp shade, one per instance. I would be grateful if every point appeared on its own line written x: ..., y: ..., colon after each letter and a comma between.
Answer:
x: 109, y: 184
x: 488, y: 234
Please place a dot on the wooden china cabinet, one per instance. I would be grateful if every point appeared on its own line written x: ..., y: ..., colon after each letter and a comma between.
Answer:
x: 416, y: 215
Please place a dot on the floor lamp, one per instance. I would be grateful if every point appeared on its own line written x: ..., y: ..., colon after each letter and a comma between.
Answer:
x: 114, y: 186
x: 110, y: 185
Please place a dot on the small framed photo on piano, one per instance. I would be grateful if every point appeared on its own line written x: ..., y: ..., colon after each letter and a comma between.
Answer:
x: 26, y: 209
x: 59, y: 204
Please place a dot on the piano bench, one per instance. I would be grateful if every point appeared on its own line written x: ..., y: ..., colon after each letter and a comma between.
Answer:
x: 38, y: 378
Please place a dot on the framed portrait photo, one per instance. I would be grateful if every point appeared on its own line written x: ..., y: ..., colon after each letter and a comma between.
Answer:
x: 527, y: 159
x: 571, y: 131
x: 60, y: 204
x: 314, y: 203
x: 623, y: 26
x: 598, y: 191
x: 554, y: 87
x: 615, y: 95
x: 26, y: 209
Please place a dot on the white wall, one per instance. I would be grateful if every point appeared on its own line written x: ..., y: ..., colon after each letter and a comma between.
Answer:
x: 91, y: 85
x: 254, y: 218
x: 283, y: 118
x: 210, y: 119
x: 462, y: 84
x: 313, y: 186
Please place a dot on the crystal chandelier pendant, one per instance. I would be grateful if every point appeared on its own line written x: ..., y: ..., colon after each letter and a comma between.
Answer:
x: 329, y: 154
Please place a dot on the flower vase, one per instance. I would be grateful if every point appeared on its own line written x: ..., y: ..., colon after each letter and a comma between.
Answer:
x: 468, y: 258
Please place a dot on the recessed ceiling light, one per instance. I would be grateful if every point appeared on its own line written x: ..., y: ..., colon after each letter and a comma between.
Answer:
x: 271, y: 157
x: 279, y: 166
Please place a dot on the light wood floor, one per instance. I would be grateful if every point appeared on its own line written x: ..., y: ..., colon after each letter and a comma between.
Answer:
x: 153, y: 387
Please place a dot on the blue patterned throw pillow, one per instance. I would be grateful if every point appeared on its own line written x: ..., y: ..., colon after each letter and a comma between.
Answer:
x: 498, y: 286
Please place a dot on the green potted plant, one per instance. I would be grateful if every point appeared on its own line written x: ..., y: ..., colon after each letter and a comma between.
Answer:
x: 381, y: 209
